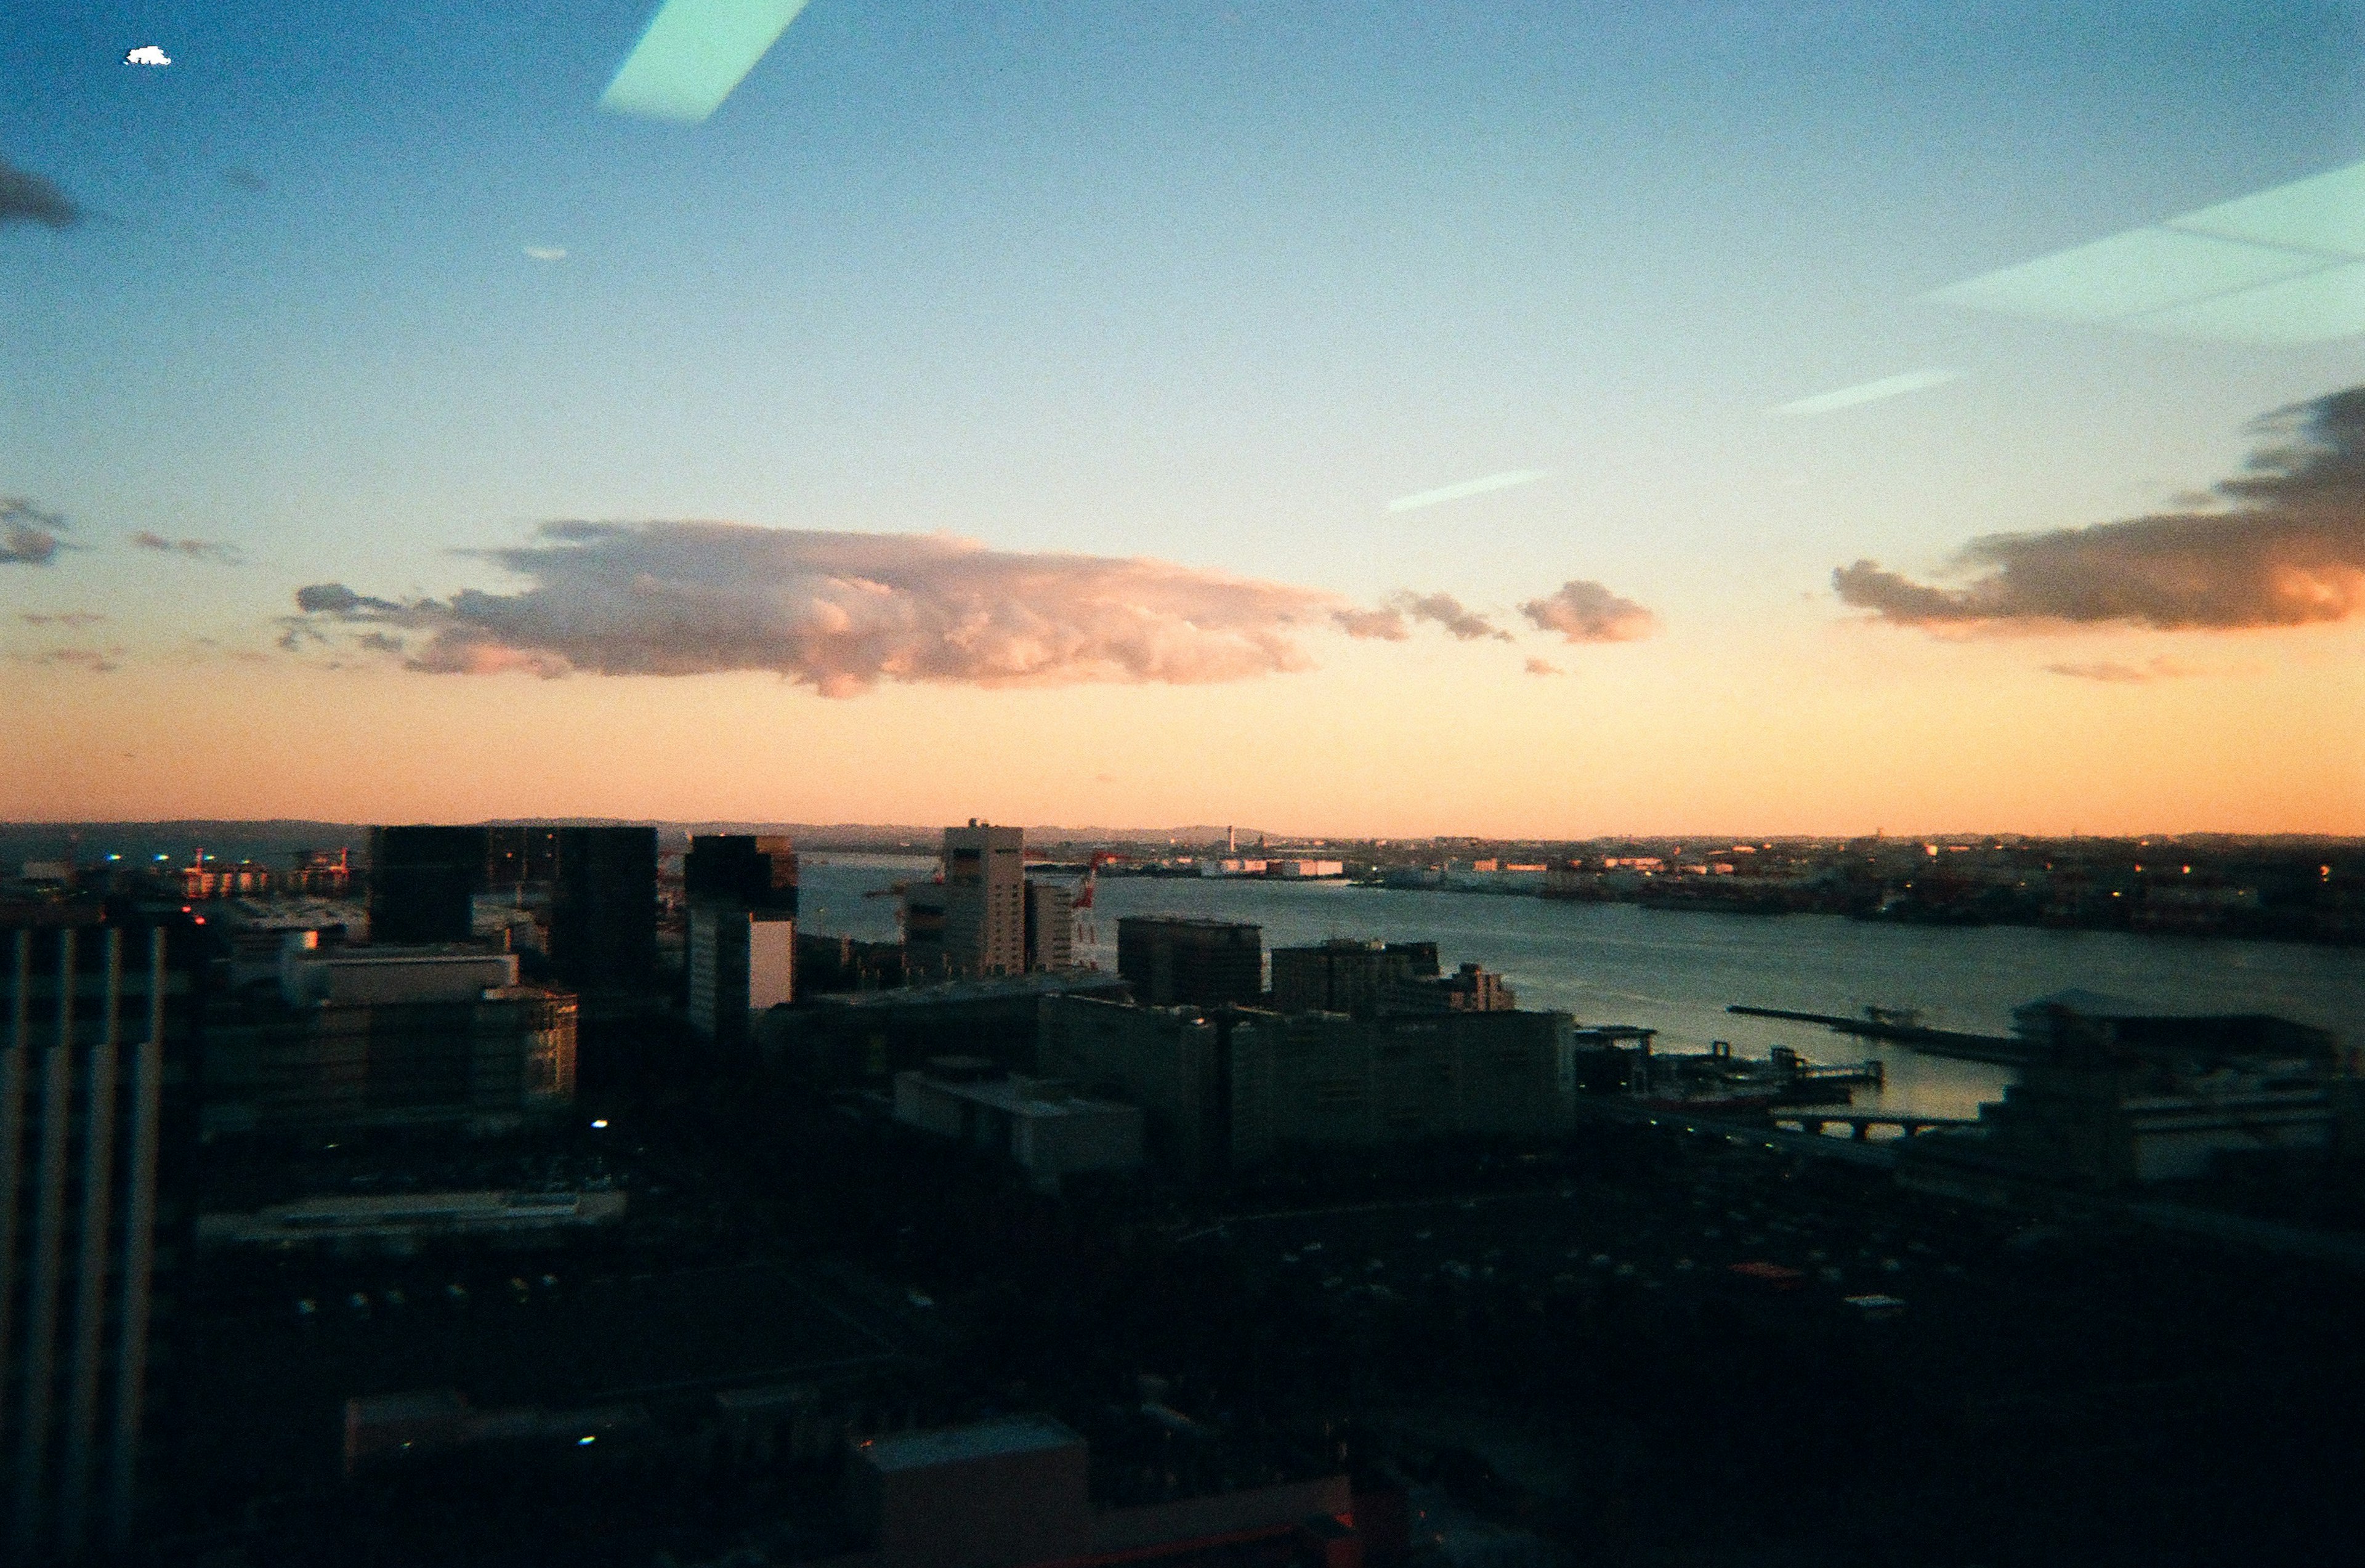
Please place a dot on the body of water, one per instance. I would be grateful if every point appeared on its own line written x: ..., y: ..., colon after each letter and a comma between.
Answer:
x: 1676, y: 972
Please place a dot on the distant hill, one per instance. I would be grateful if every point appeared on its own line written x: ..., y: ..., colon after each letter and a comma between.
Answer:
x: 274, y: 839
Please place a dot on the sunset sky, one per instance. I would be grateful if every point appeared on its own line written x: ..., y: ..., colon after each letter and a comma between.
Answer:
x: 1378, y: 418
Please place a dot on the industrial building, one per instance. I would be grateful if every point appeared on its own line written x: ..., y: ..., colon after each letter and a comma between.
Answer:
x: 864, y: 1037
x: 1228, y: 1088
x: 1173, y: 960
x: 97, y: 1069
x: 375, y: 1036
x: 2118, y: 1093
x: 1013, y: 1493
x: 1039, y: 1125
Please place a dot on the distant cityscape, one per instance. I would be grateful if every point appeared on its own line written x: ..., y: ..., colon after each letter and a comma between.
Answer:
x: 549, y: 1188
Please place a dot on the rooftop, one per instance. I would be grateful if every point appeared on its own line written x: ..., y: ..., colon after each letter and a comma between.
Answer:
x: 964, y: 1445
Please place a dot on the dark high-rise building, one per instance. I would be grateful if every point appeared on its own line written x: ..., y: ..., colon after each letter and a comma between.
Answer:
x: 422, y: 882
x: 1171, y: 959
x: 742, y: 868
x: 520, y: 856
x: 1345, y: 975
x: 98, y: 1020
x: 603, y: 906
x: 741, y: 891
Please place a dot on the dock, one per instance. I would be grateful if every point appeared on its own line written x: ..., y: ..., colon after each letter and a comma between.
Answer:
x: 2003, y: 1050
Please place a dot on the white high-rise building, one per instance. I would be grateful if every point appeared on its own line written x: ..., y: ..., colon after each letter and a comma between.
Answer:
x: 742, y: 961
x: 985, y: 900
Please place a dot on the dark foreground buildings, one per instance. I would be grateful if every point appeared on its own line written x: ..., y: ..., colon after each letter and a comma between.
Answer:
x: 96, y: 1076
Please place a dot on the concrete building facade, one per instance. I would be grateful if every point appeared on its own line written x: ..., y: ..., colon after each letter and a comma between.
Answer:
x: 984, y: 900
x: 370, y: 1036
x: 1174, y: 960
x: 1229, y: 1089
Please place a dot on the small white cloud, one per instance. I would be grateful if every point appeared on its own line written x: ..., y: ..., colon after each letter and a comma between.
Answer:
x: 147, y: 54
x: 547, y: 252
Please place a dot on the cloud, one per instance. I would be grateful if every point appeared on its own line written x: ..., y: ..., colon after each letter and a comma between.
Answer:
x: 28, y: 536
x: 839, y: 612
x: 148, y: 54
x: 245, y: 180
x: 1386, y: 625
x: 2287, y: 549
x: 547, y: 252
x: 1585, y: 611
x: 1468, y: 488
x: 1869, y: 392
x: 194, y: 549
x: 70, y: 619
x: 2112, y: 671
x: 1447, y: 611
x: 1544, y: 666
x: 91, y: 659
x: 28, y: 198
x: 381, y: 643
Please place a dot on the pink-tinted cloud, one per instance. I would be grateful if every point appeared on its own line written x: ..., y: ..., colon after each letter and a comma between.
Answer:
x: 1584, y: 611
x: 2118, y: 673
x: 1444, y: 610
x: 1385, y: 626
x: 2288, y: 549
x: 1543, y: 666
x: 839, y: 612
x: 194, y: 549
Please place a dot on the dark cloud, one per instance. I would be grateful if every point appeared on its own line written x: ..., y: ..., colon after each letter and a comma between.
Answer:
x: 28, y: 198
x: 2286, y: 548
x: 381, y: 643
x: 73, y: 620
x: 1585, y: 611
x: 1448, y: 612
x: 194, y: 549
x: 2114, y: 671
x: 1386, y: 625
x: 28, y: 536
x: 96, y: 661
x: 1543, y: 666
x: 837, y: 612
x: 245, y: 180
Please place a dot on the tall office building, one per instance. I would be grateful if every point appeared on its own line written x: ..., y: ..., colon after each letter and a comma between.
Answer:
x: 985, y: 900
x: 520, y: 856
x: 1050, y: 926
x: 1171, y: 959
x: 603, y: 906
x: 743, y: 934
x: 95, y: 1135
x: 422, y: 882
x: 753, y: 871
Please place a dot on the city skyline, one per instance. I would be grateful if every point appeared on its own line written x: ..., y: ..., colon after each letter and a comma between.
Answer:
x: 1549, y: 424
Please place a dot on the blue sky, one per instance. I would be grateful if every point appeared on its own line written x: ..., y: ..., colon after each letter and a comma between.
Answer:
x: 1210, y: 283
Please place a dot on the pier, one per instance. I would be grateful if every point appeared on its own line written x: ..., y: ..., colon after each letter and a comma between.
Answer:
x: 2003, y: 1050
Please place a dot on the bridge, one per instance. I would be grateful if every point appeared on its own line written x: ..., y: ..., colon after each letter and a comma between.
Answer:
x: 1861, y: 1123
